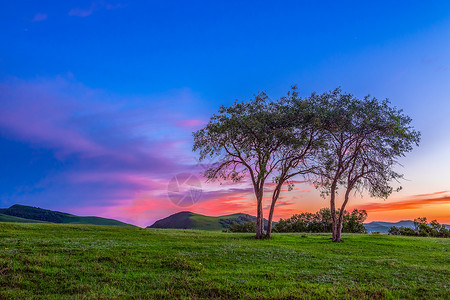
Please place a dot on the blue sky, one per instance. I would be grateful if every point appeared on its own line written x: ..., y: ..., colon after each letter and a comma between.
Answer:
x: 98, y: 99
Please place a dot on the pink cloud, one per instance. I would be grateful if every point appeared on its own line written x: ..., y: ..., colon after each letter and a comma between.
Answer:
x: 191, y: 123
x: 32, y: 113
x: 114, y: 163
x: 111, y: 162
x: 39, y: 17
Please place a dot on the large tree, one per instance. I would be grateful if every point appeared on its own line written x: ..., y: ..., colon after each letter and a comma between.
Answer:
x: 243, y: 138
x: 264, y: 140
x: 301, y: 139
x: 364, y: 138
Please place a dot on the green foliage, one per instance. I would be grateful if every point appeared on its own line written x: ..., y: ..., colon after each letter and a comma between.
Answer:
x: 422, y: 228
x: 354, y: 221
x: 245, y: 227
x: 363, y: 140
x: 321, y: 222
x: 337, y: 139
x: 263, y: 140
x: 58, y: 261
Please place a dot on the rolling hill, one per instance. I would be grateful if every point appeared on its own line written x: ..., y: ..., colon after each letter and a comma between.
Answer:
x: 7, y: 218
x: 190, y: 220
x: 28, y: 214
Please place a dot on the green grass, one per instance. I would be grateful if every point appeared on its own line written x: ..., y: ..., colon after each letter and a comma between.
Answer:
x: 82, y: 261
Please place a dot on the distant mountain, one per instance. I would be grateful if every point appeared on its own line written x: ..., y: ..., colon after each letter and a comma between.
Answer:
x: 379, y: 226
x: 190, y: 220
x: 29, y: 214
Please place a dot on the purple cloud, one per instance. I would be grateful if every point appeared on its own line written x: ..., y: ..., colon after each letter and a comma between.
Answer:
x: 112, y: 150
x: 114, y: 155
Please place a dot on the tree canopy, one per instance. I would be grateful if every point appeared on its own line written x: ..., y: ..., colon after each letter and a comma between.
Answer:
x: 332, y: 139
x: 364, y: 138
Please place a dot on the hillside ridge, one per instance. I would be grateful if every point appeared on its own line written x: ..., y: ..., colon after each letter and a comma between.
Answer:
x: 191, y: 220
x: 30, y: 214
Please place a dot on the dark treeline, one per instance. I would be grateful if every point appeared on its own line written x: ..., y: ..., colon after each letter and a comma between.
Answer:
x: 422, y: 228
x: 320, y: 221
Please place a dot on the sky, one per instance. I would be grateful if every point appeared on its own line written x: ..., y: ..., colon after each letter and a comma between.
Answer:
x: 99, y: 99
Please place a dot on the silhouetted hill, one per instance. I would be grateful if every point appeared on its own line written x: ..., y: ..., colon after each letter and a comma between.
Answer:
x: 190, y: 220
x: 29, y: 214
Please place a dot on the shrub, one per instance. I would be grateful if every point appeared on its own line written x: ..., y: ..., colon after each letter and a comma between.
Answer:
x: 394, y: 230
x: 422, y: 228
x: 321, y: 222
x: 245, y: 227
x: 407, y: 231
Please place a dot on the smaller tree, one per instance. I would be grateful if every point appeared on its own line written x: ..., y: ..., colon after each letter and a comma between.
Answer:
x: 354, y: 221
x: 419, y: 222
x: 364, y: 139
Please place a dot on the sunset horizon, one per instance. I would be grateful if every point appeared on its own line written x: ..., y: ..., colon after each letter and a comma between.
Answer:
x: 99, y: 100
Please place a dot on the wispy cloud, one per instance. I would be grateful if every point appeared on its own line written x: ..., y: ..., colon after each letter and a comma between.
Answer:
x: 78, y: 12
x: 95, y: 6
x: 39, y: 17
x: 191, y: 123
x: 106, y: 149
x: 413, y: 203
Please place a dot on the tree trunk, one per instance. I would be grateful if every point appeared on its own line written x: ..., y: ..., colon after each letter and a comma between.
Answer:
x: 269, y: 224
x: 276, y: 194
x: 259, y: 221
x: 339, y: 232
x: 341, y: 215
x: 333, y: 211
x: 259, y: 213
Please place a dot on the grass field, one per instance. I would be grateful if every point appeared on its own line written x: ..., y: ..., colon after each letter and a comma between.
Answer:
x: 83, y: 261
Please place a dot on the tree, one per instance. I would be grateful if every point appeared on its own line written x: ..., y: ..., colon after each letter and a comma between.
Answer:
x: 244, y: 138
x: 363, y: 140
x: 354, y: 221
x: 300, y: 141
x: 264, y: 140
x: 321, y: 222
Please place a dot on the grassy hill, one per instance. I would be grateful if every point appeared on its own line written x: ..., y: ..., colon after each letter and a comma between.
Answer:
x: 189, y: 220
x: 105, y: 262
x: 7, y: 218
x: 29, y: 214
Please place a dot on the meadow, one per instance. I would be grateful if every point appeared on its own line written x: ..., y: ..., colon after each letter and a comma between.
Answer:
x: 86, y: 261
